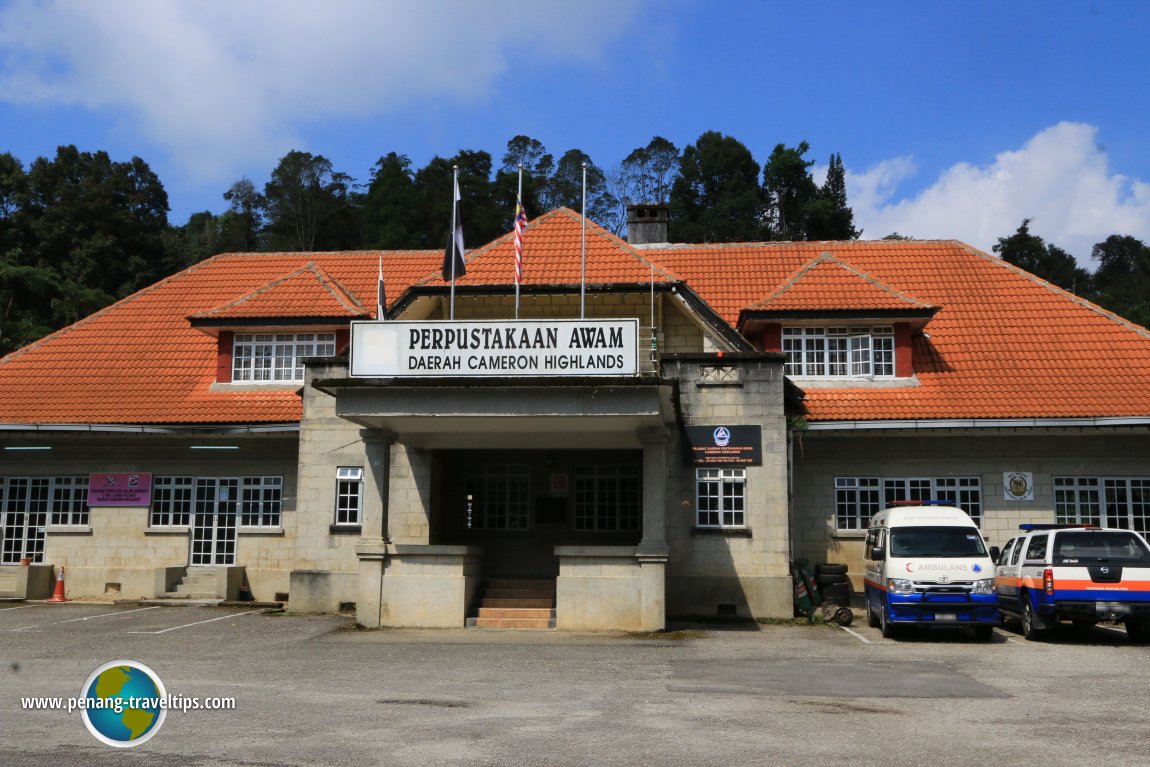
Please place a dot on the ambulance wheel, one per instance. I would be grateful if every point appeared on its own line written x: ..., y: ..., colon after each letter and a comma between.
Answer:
x: 1138, y: 630
x: 844, y: 617
x: 984, y: 633
x: 1029, y: 629
x: 888, y: 629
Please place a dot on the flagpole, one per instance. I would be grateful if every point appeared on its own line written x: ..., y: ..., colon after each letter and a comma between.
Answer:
x: 583, y: 258
x: 454, y: 207
x: 518, y: 241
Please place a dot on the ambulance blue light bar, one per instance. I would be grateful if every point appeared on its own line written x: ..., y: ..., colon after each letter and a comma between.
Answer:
x: 922, y: 503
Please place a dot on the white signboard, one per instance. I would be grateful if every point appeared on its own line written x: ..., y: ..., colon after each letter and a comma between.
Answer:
x: 498, y: 348
x: 1018, y: 485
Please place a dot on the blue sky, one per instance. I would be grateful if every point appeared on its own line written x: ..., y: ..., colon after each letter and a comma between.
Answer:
x: 954, y: 120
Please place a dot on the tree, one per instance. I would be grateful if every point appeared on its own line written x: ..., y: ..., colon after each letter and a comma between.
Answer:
x: 77, y: 232
x: 240, y: 231
x: 790, y: 191
x: 1050, y: 262
x: 716, y: 196
x: 309, y: 205
x: 828, y: 216
x: 1122, y: 279
x: 388, y: 216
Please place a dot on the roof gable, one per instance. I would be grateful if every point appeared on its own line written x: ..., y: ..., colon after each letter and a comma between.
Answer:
x: 553, y: 255
x: 307, y: 292
x: 827, y: 283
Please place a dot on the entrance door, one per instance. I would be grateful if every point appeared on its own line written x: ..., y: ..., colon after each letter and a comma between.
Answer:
x: 214, y: 522
x: 25, y: 515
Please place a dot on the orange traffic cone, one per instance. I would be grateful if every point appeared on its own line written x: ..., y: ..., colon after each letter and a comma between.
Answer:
x: 58, y: 595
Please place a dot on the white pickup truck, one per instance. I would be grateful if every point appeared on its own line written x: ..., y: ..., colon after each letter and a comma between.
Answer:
x: 1079, y: 573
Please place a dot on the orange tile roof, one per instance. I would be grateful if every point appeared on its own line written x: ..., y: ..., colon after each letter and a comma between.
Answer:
x: 1003, y: 344
x: 826, y: 283
x: 306, y: 292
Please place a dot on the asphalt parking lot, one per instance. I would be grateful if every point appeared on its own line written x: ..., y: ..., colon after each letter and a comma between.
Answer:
x: 313, y: 690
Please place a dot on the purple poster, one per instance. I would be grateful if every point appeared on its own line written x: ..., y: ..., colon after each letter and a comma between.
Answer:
x: 119, y: 489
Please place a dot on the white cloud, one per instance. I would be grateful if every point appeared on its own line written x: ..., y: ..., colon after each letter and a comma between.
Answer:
x: 221, y: 83
x: 1060, y: 179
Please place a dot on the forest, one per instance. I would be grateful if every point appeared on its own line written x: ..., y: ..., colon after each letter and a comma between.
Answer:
x: 80, y: 230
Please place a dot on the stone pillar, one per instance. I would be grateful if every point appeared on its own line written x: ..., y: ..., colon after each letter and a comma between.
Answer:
x: 654, y: 542
x: 653, y: 550
x: 372, y: 547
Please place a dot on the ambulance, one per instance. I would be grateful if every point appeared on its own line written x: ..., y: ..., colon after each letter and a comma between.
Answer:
x: 927, y: 565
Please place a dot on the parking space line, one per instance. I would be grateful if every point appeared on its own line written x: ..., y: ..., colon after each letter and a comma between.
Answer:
x: 21, y: 607
x: 197, y: 623
x: 856, y: 635
x: 85, y: 618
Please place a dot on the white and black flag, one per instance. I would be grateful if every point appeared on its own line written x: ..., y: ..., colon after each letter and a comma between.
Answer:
x: 454, y: 263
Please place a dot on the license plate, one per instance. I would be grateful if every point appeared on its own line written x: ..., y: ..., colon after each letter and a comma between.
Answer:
x: 945, y: 617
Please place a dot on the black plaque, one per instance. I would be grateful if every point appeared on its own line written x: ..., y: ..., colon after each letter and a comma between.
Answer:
x: 724, y: 445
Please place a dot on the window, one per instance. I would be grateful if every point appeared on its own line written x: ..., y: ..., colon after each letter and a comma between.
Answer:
x: 841, y: 352
x: 720, y: 496
x: 607, y: 498
x: 275, y: 357
x: 499, y: 497
x: 857, y: 498
x: 171, y: 502
x: 1007, y: 550
x: 259, y: 499
x: 1122, y: 502
x: 349, y: 496
x: 70, y: 501
x: 59, y: 501
x: 1036, y: 551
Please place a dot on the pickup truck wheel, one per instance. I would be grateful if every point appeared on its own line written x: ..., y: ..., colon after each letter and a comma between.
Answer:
x: 1028, y: 628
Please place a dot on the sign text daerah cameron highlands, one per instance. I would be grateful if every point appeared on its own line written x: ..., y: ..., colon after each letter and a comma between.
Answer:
x: 495, y: 348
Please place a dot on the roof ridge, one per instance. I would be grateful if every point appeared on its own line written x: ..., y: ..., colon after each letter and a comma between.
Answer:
x: 1083, y: 302
x: 828, y: 257
x: 110, y: 307
x: 341, y: 295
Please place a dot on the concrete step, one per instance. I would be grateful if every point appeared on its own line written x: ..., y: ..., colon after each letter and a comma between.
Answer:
x: 191, y: 595
x: 512, y: 623
x: 517, y: 594
x: 515, y: 612
x: 547, y: 602
x: 521, y: 583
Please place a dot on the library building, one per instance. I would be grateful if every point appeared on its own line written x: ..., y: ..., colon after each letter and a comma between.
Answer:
x: 634, y: 431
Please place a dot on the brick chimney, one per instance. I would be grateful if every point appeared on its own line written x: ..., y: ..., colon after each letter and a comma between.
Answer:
x: 647, y: 223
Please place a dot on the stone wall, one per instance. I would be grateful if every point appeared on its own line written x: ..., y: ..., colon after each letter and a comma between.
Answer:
x: 820, y: 456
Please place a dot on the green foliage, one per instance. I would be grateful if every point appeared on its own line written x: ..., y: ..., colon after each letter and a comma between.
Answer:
x: 77, y: 232
x: 1050, y: 262
x: 716, y: 196
x: 790, y: 191
x: 1122, y: 280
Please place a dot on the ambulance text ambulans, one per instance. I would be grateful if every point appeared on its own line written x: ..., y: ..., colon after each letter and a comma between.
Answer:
x: 927, y: 565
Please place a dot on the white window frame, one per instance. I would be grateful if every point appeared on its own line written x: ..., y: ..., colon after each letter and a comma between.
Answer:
x: 1122, y: 502
x: 608, y: 499
x: 258, y: 500
x: 261, y: 358
x: 857, y: 499
x: 839, y: 352
x: 500, y: 496
x: 172, y: 501
x: 721, y: 498
x: 69, y: 502
x: 349, y: 496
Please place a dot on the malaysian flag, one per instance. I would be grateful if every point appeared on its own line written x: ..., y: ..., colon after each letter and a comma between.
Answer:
x: 520, y: 224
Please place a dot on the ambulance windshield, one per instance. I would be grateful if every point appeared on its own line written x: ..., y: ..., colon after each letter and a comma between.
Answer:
x: 936, y: 542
